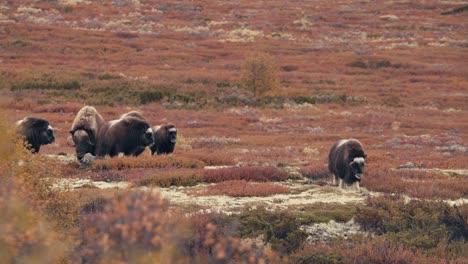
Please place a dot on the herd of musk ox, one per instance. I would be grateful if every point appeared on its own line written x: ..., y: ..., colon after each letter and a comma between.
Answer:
x: 131, y: 134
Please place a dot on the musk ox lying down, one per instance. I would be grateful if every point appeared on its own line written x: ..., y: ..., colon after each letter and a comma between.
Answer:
x: 129, y: 135
x: 36, y: 132
x: 84, y: 131
x: 346, y: 162
x: 165, y: 138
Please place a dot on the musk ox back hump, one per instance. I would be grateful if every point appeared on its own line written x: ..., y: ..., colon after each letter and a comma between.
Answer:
x: 88, y: 118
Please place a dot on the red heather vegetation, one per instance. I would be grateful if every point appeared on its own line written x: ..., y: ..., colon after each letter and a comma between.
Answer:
x: 259, y: 174
x: 181, y: 177
x: 138, y: 227
x: 416, y: 183
x: 242, y: 188
x: 392, y: 75
x: 147, y: 162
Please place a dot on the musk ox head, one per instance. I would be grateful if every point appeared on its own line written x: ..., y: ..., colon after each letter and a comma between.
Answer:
x: 357, y: 167
x: 165, y: 138
x: 36, y: 132
x: 84, y: 142
x: 142, y: 131
x: 171, y: 133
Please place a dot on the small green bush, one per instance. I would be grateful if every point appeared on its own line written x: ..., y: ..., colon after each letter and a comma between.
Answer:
x: 371, y: 64
x: 150, y: 96
x: 280, y: 229
x: 46, y: 85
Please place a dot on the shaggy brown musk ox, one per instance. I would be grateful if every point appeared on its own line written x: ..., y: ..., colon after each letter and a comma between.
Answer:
x: 129, y: 135
x: 36, y: 132
x: 84, y: 131
x: 346, y: 162
x: 165, y: 138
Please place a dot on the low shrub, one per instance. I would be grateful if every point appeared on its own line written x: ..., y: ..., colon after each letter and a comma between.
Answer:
x: 259, y: 174
x: 171, y: 178
x: 49, y: 84
x: 132, y: 228
x: 372, y: 64
x: 316, y: 173
x: 214, y: 142
x: 280, y: 229
x: 59, y: 108
x: 417, y: 223
x: 137, y: 227
x: 324, y: 212
x: 320, y: 254
x: 415, y: 183
x: 25, y: 236
x: 212, y: 158
x: 242, y: 188
x: 259, y: 73
x: 120, y: 163
x: 150, y: 96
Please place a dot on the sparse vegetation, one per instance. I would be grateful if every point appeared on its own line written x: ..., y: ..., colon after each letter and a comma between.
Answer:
x: 276, y: 89
x: 241, y: 188
x: 259, y: 174
x: 280, y: 229
x: 147, y: 162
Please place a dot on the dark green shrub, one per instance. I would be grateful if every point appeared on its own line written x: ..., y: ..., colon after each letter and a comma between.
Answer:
x: 280, y: 229
x: 150, y: 96
x: 46, y: 85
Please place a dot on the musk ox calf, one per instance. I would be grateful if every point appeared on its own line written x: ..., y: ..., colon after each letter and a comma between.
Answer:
x: 36, y: 132
x: 165, y: 138
x: 84, y: 131
x: 129, y: 135
x: 346, y: 162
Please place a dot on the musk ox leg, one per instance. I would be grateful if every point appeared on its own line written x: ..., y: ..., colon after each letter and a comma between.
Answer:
x: 358, y: 188
x: 340, y: 183
x: 333, y: 179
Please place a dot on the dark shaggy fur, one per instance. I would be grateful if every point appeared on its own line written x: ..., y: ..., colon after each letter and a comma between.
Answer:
x: 165, y: 138
x: 36, y: 132
x: 135, y: 114
x: 128, y: 135
x: 342, y: 161
x: 85, y: 130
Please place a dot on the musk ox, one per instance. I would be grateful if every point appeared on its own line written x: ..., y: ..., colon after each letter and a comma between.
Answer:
x: 84, y: 131
x: 36, y: 132
x: 346, y: 162
x: 129, y: 135
x: 165, y: 138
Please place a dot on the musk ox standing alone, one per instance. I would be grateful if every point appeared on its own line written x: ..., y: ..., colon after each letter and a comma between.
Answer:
x: 165, y: 138
x: 346, y: 162
x: 129, y: 135
x: 85, y: 130
x: 36, y: 132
